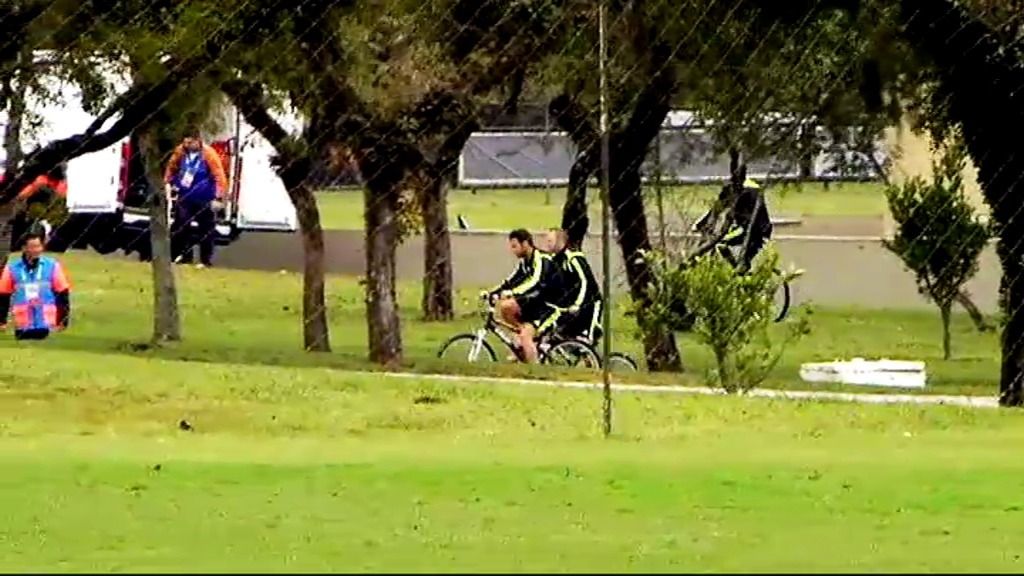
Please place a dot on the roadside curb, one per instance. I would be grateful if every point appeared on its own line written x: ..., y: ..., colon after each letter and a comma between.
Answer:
x: 786, y: 237
x: 850, y: 397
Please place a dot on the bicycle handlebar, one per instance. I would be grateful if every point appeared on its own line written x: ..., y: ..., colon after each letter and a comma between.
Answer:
x: 708, y: 246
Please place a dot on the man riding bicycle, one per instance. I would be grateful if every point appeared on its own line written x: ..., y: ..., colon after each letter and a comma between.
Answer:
x: 578, y: 300
x: 522, y: 298
x: 749, y: 226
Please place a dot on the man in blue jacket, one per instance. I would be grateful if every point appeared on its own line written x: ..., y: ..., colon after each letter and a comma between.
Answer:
x: 196, y: 175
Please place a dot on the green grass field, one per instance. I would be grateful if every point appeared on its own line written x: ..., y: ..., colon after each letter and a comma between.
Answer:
x: 252, y: 317
x: 504, y: 209
x: 288, y: 464
x: 309, y: 469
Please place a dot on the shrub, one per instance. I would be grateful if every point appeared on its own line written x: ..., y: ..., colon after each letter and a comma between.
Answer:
x: 729, y: 312
x: 939, y: 236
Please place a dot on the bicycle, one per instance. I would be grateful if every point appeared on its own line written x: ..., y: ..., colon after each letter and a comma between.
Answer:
x: 617, y: 361
x: 555, y: 349
x: 783, y: 297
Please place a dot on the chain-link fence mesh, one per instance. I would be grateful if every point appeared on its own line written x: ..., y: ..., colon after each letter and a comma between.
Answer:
x: 352, y: 172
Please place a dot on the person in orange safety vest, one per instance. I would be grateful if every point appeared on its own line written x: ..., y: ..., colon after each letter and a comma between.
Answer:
x: 35, y: 291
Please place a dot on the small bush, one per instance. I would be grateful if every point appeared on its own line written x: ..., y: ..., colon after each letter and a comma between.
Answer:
x: 731, y: 313
x: 939, y: 236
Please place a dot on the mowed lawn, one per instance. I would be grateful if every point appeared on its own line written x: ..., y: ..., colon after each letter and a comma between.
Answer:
x: 232, y: 452
x: 504, y: 209
x: 120, y: 463
x: 253, y: 317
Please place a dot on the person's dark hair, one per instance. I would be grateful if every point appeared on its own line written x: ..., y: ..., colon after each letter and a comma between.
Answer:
x: 36, y: 232
x: 522, y: 235
x: 194, y: 132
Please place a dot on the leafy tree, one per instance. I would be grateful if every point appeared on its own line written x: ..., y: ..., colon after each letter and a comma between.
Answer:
x: 183, y: 41
x: 401, y: 101
x: 163, y: 47
x: 939, y: 237
x: 975, y: 72
x: 723, y: 60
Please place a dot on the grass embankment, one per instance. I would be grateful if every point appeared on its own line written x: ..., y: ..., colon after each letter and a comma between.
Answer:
x: 288, y: 469
x: 253, y: 318
x: 285, y: 464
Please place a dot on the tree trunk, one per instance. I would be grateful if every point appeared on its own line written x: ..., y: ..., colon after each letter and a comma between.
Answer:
x: 660, y: 347
x: 166, y: 318
x: 725, y: 375
x: 14, y: 90
x: 14, y: 100
x: 316, y: 335
x: 438, y: 302
x: 737, y: 169
x: 6, y: 221
x: 572, y: 118
x: 382, y: 235
x: 806, y: 151
x: 964, y: 299
x: 946, y: 310
x: 294, y: 166
x: 575, y: 220
x: 1011, y: 382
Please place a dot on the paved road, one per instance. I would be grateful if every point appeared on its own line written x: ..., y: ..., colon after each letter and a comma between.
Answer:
x: 846, y: 271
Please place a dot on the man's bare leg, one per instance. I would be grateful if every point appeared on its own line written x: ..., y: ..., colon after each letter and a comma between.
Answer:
x: 509, y: 312
x: 526, y: 335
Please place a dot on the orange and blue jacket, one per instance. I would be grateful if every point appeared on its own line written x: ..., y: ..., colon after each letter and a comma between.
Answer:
x: 198, y: 176
x: 37, y: 294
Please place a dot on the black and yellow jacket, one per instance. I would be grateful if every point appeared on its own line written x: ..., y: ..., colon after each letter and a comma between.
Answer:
x: 532, y: 277
x: 577, y: 285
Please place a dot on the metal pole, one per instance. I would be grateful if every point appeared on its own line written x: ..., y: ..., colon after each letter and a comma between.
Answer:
x: 547, y: 139
x: 606, y: 223
x: 658, y: 191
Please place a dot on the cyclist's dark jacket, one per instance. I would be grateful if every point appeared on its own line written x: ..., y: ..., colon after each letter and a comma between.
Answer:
x: 577, y: 285
x: 531, y: 278
x: 749, y: 212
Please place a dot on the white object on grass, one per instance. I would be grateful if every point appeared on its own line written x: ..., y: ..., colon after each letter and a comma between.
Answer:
x: 861, y: 372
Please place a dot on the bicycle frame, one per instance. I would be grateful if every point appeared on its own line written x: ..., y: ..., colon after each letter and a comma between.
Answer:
x: 492, y: 326
x: 502, y: 331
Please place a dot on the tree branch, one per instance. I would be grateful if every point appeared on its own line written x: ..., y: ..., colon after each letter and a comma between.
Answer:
x: 292, y: 160
x: 248, y: 98
x: 654, y: 102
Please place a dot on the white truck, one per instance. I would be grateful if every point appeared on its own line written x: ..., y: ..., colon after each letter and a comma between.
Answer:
x: 106, y: 191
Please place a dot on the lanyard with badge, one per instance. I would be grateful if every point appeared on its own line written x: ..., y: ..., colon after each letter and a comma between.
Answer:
x: 33, y: 281
x: 191, y: 166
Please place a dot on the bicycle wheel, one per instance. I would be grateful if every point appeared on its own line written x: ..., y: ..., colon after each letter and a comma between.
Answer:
x: 572, y: 354
x: 619, y: 362
x: 468, y: 348
x: 783, y: 300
